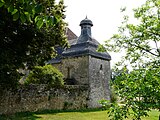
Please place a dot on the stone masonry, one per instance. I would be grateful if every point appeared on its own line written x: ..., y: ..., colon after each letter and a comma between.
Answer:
x: 40, y: 97
x: 86, y: 73
x: 81, y: 64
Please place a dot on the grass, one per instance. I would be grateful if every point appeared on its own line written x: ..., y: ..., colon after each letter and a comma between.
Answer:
x: 68, y: 115
x: 153, y: 115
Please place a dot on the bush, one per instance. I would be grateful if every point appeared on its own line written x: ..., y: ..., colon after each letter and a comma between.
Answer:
x: 113, y: 96
x: 105, y: 104
x: 45, y: 75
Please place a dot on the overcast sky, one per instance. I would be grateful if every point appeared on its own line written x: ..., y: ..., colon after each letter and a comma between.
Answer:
x: 105, y: 15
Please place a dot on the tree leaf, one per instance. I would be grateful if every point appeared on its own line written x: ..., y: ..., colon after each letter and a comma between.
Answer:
x: 14, y: 11
x: 36, y: 19
x: 11, y: 8
x: 46, y: 21
x: 40, y: 23
x: 23, y: 19
x: 38, y: 8
x: 52, y: 20
x: 1, y: 4
x: 21, y: 1
x: 7, y: 3
x: 15, y: 16
x: 28, y: 16
x: 29, y: 8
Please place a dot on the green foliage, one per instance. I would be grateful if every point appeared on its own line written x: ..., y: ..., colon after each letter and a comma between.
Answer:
x: 139, y: 88
x: 117, y: 112
x: 22, y: 43
x: 114, y: 97
x: 140, y: 40
x: 40, y: 12
x: 101, y: 48
x: 105, y: 104
x: 45, y: 75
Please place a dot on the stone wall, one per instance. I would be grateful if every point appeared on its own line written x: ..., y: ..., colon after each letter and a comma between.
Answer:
x: 99, y: 77
x: 75, y: 68
x: 33, y: 98
x: 91, y: 71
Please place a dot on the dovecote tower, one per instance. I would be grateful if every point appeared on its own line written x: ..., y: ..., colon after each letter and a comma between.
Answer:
x: 81, y: 64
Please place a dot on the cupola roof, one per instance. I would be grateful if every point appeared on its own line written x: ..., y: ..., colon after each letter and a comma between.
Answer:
x: 83, y: 45
x: 86, y: 21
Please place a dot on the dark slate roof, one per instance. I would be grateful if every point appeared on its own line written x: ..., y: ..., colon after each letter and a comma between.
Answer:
x: 83, y: 45
x: 85, y: 38
x: 86, y: 21
x: 82, y: 49
x: 87, y: 48
x: 73, y: 41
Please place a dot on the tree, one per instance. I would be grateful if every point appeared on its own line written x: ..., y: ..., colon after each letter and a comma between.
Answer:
x: 139, y: 88
x: 45, y: 75
x: 29, y: 30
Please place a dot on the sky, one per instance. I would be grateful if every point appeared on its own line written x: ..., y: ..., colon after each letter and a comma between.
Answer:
x: 105, y: 15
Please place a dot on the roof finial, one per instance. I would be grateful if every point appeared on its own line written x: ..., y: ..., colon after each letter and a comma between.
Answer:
x: 86, y: 17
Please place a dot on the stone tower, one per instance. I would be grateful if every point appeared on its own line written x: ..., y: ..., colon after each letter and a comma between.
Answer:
x: 81, y: 64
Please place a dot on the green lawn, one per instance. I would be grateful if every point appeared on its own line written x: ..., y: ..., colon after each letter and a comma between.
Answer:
x: 79, y: 115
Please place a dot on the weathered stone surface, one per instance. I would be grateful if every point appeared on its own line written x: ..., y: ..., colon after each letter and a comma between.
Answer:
x: 82, y: 64
x: 99, y: 77
x: 75, y: 68
x: 33, y: 98
x: 91, y: 71
x: 83, y: 67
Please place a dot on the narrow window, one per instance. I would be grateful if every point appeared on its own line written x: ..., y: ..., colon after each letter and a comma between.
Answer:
x: 101, y: 68
x: 69, y: 73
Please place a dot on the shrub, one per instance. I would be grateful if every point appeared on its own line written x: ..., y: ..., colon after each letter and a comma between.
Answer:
x: 45, y: 75
x: 105, y: 104
x: 113, y: 96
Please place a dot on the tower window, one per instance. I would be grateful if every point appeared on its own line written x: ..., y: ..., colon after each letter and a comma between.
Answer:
x: 101, y: 68
x: 69, y: 72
